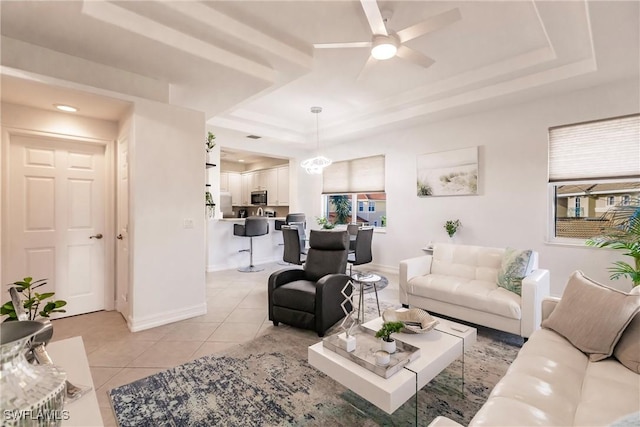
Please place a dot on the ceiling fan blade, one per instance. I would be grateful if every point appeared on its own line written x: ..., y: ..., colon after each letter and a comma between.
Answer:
x: 341, y: 45
x: 370, y: 62
x: 374, y: 17
x: 430, y: 24
x: 415, y: 57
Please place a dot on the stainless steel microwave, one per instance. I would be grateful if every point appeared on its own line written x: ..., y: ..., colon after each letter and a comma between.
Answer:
x: 258, y: 197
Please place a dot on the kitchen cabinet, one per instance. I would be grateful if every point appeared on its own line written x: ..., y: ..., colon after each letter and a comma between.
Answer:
x: 283, y: 186
x: 224, y: 181
x: 269, y: 182
x: 246, y: 181
x: 235, y: 188
x: 274, y: 181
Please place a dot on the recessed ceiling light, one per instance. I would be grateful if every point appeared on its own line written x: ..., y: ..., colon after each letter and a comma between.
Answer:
x: 67, y: 108
x: 241, y: 160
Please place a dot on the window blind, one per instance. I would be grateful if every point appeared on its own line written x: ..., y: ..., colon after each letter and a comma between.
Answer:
x: 595, y: 150
x: 364, y: 175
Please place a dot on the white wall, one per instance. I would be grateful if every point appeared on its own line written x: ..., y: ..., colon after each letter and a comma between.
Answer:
x: 511, y: 209
x: 167, y: 158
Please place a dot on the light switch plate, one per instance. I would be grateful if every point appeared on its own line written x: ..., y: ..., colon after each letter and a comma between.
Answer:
x: 188, y: 223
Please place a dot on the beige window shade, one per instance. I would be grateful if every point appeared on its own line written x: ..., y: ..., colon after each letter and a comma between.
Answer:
x: 365, y: 175
x: 595, y: 150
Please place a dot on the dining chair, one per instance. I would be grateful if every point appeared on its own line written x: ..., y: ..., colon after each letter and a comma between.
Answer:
x: 361, y: 253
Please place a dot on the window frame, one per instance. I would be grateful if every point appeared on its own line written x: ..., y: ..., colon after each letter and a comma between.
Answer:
x: 551, y: 237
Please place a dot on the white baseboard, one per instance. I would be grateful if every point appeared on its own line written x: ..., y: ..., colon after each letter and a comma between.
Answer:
x: 381, y: 268
x: 166, y: 317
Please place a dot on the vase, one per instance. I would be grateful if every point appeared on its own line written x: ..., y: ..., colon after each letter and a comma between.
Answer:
x: 30, y: 395
x: 389, y: 346
x: 382, y: 357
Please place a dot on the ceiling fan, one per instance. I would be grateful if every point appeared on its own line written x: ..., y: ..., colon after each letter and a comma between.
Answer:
x: 386, y: 44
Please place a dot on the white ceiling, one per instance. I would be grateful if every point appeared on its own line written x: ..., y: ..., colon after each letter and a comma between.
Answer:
x: 251, y: 65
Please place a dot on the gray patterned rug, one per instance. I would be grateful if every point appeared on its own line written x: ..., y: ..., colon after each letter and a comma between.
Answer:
x: 268, y: 382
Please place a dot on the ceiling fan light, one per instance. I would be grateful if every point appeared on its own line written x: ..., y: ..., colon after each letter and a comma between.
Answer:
x: 384, y: 48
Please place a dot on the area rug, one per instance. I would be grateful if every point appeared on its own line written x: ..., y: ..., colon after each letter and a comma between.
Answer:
x: 268, y: 382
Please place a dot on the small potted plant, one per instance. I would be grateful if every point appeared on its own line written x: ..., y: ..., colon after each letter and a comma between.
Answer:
x: 34, y: 303
x: 210, y: 142
x: 324, y: 222
x: 388, y: 328
x: 452, y: 227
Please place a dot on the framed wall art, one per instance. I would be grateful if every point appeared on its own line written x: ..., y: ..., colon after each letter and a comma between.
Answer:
x: 448, y: 173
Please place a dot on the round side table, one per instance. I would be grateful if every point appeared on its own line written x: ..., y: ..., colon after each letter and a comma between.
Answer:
x: 363, y: 279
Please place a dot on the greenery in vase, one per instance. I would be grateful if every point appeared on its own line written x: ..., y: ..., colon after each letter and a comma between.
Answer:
x: 210, y: 142
x: 324, y: 222
x: 33, y: 301
x: 452, y: 226
x: 622, y: 233
x: 387, y: 329
x: 208, y: 198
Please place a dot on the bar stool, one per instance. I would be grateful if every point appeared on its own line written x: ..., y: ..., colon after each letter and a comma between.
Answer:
x: 253, y: 226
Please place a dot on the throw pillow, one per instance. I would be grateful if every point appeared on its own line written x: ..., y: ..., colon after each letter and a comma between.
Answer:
x: 516, y: 265
x: 627, y: 350
x: 592, y: 316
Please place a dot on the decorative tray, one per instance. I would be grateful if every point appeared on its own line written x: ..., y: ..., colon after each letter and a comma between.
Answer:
x: 365, y: 353
x: 416, y: 321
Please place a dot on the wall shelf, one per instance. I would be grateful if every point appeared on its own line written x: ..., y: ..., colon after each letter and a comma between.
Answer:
x: 210, y: 165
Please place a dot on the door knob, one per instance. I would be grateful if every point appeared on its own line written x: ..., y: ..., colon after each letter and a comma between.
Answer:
x: 97, y: 236
x: 119, y: 237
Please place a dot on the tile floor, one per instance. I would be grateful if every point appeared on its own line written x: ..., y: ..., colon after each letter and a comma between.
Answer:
x: 236, y: 312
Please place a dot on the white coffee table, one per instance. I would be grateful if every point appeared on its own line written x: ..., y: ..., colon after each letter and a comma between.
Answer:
x: 438, y: 349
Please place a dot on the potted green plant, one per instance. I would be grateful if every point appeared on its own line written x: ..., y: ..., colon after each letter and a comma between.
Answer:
x: 388, y: 328
x: 622, y: 233
x: 324, y: 222
x: 452, y: 227
x: 208, y: 199
x: 34, y: 303
x: 210, y: 142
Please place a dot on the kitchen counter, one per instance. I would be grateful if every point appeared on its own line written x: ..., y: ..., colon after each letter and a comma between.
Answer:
x: 282, y: 218
x: 223, y: 247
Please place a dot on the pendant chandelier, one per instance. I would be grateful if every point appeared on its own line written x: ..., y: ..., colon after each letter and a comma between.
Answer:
x: 315, y: 165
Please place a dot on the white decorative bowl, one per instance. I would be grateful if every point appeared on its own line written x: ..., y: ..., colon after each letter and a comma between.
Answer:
x: 415, y: 321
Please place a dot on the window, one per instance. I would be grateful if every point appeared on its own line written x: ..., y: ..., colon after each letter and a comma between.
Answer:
x: 357, y: 182
x: 591, y: 165
x: 337, y: 208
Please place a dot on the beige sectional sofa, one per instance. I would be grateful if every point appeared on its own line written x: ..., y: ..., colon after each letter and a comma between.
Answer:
x: 460, y: 281
x: 553, y: 383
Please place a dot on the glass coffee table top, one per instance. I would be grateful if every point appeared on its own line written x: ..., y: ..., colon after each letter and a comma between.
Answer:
x: 366, y: 277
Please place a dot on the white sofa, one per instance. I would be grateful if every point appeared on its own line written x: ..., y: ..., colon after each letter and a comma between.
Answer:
x: 461, y: 282
x: 552, y: 383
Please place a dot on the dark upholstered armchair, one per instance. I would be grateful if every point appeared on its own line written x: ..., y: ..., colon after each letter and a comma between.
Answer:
x: 310, y: 298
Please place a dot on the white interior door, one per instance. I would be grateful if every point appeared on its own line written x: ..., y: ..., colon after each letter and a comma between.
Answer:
x: 56, y: 218
x: 122, y: 228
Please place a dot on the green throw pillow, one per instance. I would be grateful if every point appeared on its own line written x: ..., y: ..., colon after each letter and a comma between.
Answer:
x: 515, y: 267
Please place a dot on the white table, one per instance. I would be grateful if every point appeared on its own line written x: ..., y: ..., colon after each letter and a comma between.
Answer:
x: 69, y: 354
x: 439, y: 348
